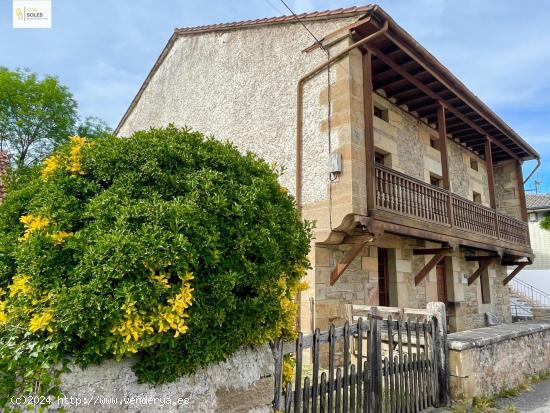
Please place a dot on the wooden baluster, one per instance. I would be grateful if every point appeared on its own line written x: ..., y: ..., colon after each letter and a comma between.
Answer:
x: 359, y: 363
x: 322, y: 394
x: 306, y: 395
x: 298, y: 373
x: 315, y: 378
x: 338, y: 398
x: 345, y: 379
x: 331, y: 351
x: 352, y: 388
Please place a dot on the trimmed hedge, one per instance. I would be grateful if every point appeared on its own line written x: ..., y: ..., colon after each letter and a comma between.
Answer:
x: 167, y: 244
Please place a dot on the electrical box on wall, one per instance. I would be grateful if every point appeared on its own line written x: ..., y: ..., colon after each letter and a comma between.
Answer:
x: 335, y: 165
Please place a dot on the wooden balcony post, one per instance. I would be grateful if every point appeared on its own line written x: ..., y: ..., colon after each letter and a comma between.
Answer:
x: 442, y: 129
x: 490, y: 176
x: 369, y: 131
x: 521, y: 191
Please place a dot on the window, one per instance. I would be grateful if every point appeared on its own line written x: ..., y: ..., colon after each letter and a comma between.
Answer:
x: 380, y: 158
x: 485, y: 288
x: 474, y: 165
x: 383, y: 278
x: 434, y: 142
x: 533, y: 217
x: 436, y: 181
x: 381, y: 113
x: 477, y: 197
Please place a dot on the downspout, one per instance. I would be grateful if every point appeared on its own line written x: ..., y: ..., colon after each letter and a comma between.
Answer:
x: 299, y: 110
x: 532, y: 172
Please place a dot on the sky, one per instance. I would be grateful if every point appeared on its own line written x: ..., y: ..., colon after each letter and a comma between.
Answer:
x: 103, y: 49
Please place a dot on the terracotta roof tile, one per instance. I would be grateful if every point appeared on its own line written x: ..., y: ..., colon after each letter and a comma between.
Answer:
x: 350, y: 11
x: 538, y: 201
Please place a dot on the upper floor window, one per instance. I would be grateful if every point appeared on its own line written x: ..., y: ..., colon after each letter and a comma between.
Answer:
x: 477, y: 197
x: 381, y: 113
x: 434, y: 142
x: 379, y: 158
x: 474, y: 164
x: 436, y: 181
x: 533, y: 217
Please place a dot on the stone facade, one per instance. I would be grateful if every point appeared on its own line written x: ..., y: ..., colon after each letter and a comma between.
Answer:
x: 497, y: 358
x: 247, y: 94
x: 359, y: 284
x: 243, y: 383
x: 506, y: 189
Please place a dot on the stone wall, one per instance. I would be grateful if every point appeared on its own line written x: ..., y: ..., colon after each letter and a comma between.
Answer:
x: 506, y: 189
x: 359, y: 284
x: 243, y: 383
x: 491, y: 359
x: 405, y: 140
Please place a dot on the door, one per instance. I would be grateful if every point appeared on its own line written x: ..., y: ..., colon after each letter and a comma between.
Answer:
x: 441, y: 284
x: 383, y: 278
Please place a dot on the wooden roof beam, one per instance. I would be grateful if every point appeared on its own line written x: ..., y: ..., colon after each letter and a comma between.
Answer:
x: 516, y: 271
x: 414, y: 56
x: 430, y: 93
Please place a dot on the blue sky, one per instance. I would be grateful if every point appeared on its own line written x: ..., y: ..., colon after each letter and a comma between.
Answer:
x: 103, y: 49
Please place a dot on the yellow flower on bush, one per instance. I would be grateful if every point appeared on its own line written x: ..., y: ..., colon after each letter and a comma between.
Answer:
x: 161, y: 279
x: 32, y: 223
x: 41, y: 321
x: 59, y: 238
x: 51, y: 164
x: 75, y: 155
x: 20, y: 285
x: 3, y: 314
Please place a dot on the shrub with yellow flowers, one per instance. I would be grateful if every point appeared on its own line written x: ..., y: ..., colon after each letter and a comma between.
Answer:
x: 166, y: 244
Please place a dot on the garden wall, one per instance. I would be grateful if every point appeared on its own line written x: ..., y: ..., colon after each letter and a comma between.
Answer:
x: 489, y: 360
x: 243, y: 383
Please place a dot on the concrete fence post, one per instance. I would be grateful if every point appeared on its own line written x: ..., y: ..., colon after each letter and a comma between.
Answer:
x: 438, y: 311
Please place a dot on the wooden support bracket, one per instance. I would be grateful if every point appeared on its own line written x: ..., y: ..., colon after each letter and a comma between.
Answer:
x: 521, y: 266
x: 484, y: 262
x: 440, y: 253
x: 348, y: 257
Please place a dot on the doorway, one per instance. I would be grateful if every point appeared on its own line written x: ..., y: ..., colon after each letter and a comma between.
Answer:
x: 383, y: 278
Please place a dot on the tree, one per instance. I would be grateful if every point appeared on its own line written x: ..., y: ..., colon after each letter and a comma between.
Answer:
x: 93, y: 128
x: 35, y: 115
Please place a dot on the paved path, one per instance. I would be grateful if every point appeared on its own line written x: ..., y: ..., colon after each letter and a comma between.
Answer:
x: 535, y: 400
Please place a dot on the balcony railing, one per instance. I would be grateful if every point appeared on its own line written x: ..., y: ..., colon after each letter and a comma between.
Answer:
x: 402, y: 194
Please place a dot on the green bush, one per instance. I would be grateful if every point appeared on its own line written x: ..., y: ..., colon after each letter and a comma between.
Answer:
x: 166, y: 244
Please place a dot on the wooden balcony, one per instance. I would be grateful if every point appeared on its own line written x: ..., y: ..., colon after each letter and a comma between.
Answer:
x: 404, y: 202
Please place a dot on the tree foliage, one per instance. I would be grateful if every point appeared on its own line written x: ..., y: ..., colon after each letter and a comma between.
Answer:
x: 545, y: 223
x: 35, y: 115
x: 166, y: 244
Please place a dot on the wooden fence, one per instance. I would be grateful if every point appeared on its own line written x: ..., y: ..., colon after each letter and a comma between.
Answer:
x: 374, y: 366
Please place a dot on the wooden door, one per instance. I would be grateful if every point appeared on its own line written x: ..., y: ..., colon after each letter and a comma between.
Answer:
x: 383, y: 278
x: 441, y: 284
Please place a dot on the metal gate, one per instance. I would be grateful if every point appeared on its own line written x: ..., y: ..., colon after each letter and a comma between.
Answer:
x: 374, y: 366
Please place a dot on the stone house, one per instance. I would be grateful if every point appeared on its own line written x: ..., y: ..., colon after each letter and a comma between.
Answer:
x: 415, y: 185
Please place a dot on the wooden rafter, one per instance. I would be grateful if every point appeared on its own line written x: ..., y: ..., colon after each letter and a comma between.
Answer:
x: 420, y: 85
x: 484, y: 262
x: 348, y: 257
x: 520, y: 266
x: 440, y: 253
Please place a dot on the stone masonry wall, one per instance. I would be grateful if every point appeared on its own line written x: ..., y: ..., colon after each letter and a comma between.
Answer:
x: 359, y: 284
x: 406, y: 142
x: 243, y: 383
x: 488, y: 360
x: 506, y: 189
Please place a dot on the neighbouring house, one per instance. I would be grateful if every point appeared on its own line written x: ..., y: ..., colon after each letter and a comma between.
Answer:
x: 532, y: 287
x: 415, y: 185
x: 538, y: 206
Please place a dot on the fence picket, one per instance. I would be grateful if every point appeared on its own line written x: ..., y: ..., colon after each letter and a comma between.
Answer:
x: 315, y: 378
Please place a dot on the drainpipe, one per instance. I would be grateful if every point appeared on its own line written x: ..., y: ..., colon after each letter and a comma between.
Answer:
x: 532, y: 172
x: 299, y: 110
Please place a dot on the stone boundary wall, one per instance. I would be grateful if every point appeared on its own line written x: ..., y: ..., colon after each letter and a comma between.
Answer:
x: 243, y: 383
x: 487, y: 360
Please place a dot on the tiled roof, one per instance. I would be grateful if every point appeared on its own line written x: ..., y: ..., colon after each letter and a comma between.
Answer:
x: 538, y: 201
x: 318, y: 15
